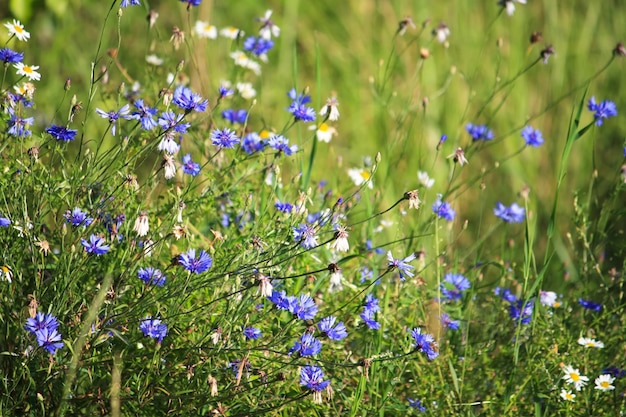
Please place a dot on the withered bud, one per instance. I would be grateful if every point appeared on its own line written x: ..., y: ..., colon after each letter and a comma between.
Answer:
x: 425, y: 103
x: 34, y: 153
x: 152, y: 17
x: 424, y: 53
x: 546, y: 53
x: 619, y: 50
x: 112, y: 52
x: 536, y: 37
x: 68, y: 84
x: 333, y: 267
x: 404, y: 24
x: 177, y: 38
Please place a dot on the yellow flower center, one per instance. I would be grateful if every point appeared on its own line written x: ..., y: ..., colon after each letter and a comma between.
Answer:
x: 323, y: 127
x: 365, y: 175
x: 264, y: 134
x: 604, y: 384
x: 208, y: 27
x: 27, y: 69
x: 18, y: 29
x: 574, y: 376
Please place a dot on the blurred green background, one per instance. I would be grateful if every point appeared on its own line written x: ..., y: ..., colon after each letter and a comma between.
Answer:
x: 381, y: 82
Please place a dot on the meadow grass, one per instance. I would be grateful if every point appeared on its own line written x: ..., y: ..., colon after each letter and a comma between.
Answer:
x: 165, y: 256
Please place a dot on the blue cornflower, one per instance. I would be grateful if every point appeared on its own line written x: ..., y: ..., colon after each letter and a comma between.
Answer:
x: 224, y: 138
x: 77, y: 217
x: 96, y: 245
x: 258, y: 46
x: 225, y: 92
x: 190, y: 167
x: 305, y: 307
x: 153, y: 328
x: 284, y: 207
x: 18, y: 126
x: 151, y: 276
x: 425, y: 343
x: 368, y: 318
x: 280, y: 299
x: 415, y: 403
x: 61, y: 133
x: 443, y: 209
x: 306, y: 235
x: 145, y: 115
x: 366, y: 274
x: 235, y: 116
x: 521, y: 312
x: 281, y: 143
x: 41, y: 321
x: 197, y: 266
x: 602, y: 110
x: 312, y: 377
x: 371, y: 303
x: 188, y: 100
x: 126, y: 3
x: 337, y: 332
x: 306, y: 346
x: 513, y: 214
x: 298, y: 107
x: 170, y: 120
x: 49, y: 339
x: 9, y: 56
x: 4, y: 222
x: 252, y: 143
x: 191, y: 2
x: 453, y: 286
x: 479, y: 132
x: 590, y: 305
x: 532, y: 136
x: 113, y: 116
x: 252, y: 333
x: 401, y: 265
x: 448, y: 322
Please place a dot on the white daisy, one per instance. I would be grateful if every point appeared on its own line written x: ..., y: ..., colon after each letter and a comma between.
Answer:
x: 360, y: 176
x: 567, y: 395
x: 323, y: 132
x: 29, y: 71
x: 424, y: 179
x: 603, y: 382
x: 154, y: 60
x: 331, y: 109
x: 205, y: 30
x: 590, y: 343
x: 17, y: 29
x: 231, y: 32
x: 246, y: 90
x: 573, y: 376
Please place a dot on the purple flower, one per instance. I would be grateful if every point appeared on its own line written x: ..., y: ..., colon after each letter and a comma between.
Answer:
x: 191, y: 2
x: 225, y: 92
x: 170, y: 120
x: 371, y: 303
x: 312, y: 377
x: 61, y: 133
x: 144, y: 114
x: 253, y: 143
x: 479, y: 132
x: 96, y: 245
x: 190, y: 167
x: 307, y: 346
x: 337, y: 332
x: 113, y: 116
x: 9, y: 56
x: 401, y: 264
x: 126, y: 3
x: 189, y: 101
x: 415, y: 403
x: 41, y: 321
x: 521, y: 312
x: 448, y: 322
x: 77, y: 217
x: 281, y: 143
x: 235, y: 116
x: 224, y: 138
x: 284, y: 207
x: 197, y: 266
x: 258, y: 46
x: 49, y: 339
x: 4, y: 222
x: 590, y: 305
x: 305, y: 307
x: 298, y: 107
x: 368, y: 318
x: 602, y: 110
x: 443, y: 209
x: 252, y: 333
x: 425, y: 343
x: 151, y: 276
x: 153, y: 328
x: 306, y: 235
x: 454, y: 285
x: 513, y: 214
x: 18, y: 126
x: 532, y: 136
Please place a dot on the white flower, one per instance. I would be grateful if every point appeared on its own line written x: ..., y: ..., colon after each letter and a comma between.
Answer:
x: 231, y: 32
x: 441, y: 32
x: 243, y: 60
x: 268, y: 28
x: 148, y: 246
x: 7, y: 273
x: 169, y: 167
x: 587, y: 342
x: 424, y: 179
x: 26, y: 89
x: 17, y: 29
x: 142, y: 225
x: 205, y: 30
x: 330, y: 109
x: 360, y: 176
x: 340, y: 244
x: 323, y: 132
x: 414, y: 199
x: 603, y: 382
x: 246, y: 90
x: 154, y: 60
x: 548, y: 298
x: 29, y: 71
x: 567, y: 395
x: 509, y: 5
x: 168, y: 145
x: 573, y: 376
x: 265, y: 286
x: 335, y: 281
